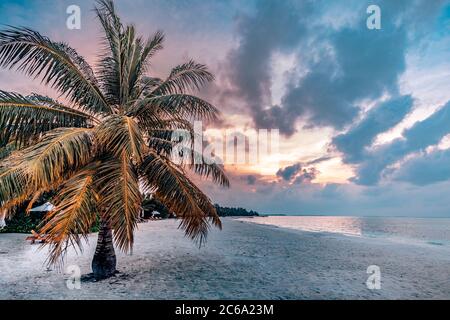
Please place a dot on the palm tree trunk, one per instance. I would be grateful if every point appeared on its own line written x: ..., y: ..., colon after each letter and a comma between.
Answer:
x: 104, y: 262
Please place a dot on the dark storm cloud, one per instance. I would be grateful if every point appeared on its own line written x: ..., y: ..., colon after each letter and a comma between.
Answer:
x: 277, y: 25
x: 421, y: 135
x: 379, y: 119
x: 345, y: 66
x: 365, y: 64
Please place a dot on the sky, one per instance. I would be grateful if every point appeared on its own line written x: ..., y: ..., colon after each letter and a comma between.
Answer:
x: 363, y: 114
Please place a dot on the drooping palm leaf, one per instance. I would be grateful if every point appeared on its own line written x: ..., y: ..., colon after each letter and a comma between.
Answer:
x: 14, y: 186
x: 171, y: 186
x: 189, y: 158
x: 120, y: 198
x: 59, y: 153
x: 74, y: 214
x: 60, y: 106
x: 7, y: 150
x: 46, y: 164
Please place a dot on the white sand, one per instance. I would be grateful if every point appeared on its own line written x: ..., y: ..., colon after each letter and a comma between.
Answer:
x: 244, y: 261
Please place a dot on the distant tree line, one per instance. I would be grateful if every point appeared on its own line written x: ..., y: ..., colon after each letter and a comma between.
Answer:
x: 154, y: 208
x: 23, y: 222
x: 233, y: 212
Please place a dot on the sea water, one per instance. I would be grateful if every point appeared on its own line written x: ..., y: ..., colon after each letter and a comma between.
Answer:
x: 435, y: 231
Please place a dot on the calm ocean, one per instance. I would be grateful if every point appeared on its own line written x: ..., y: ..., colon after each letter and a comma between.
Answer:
x: 430, y: 230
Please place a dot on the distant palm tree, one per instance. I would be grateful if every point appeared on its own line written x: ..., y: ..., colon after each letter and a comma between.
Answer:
x: 110, y: 143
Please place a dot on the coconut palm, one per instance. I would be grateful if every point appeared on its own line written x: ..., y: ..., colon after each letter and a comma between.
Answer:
x: 107, y: 143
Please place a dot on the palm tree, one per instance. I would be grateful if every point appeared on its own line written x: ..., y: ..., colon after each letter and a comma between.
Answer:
x: 107, y: 143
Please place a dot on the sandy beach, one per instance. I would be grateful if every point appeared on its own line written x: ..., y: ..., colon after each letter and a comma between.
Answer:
x: 243, y: 261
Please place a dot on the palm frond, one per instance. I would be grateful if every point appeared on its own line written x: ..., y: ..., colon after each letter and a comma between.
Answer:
x: 57, y: 64
x: 151, y: 47
x: 23, y: 118
x: 14, y: 187
x: 187, y: 76
x: 189, y: 158
x: 126, y: 58
x: 207, y: 168
x: 171, y: 186
x: 111, y: 68
x: 60, y: 106
x: 60, y: 152
x: 181, y: 105
x: 161, y: 134
x: 148, y: 84
x: 74, y: 214
x: 139, y: 55
x: 7, y: 150
x: 45, y: 165
x: 119, y: 134
x: 120, y: 198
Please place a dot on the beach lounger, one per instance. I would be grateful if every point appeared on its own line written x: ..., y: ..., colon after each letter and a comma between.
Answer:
x: 36, y: 237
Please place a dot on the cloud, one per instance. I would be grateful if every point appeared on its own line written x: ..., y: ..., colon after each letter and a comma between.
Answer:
x: 379, y: 119
x: 422, y: 134
x: 297, y: 173
x: 289, y: 172
x: 395, y: 199
x: 306, y: 175
x: 251, y: 180
x: 335, y: 68
x: 426, y: 169
x: 319, y: 160
x: 355, y: 70
x: 275, y: 25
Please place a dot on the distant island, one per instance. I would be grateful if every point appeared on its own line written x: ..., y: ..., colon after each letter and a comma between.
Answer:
x: 233, y: 212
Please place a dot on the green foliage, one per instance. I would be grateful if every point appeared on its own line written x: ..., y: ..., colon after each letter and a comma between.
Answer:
x: 23, y: 223
x: 150, y: 205
x: 234, y: 212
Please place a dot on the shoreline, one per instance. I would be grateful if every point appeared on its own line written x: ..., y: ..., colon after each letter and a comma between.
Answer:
x: 244, y: 261
x: 388, y: 238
